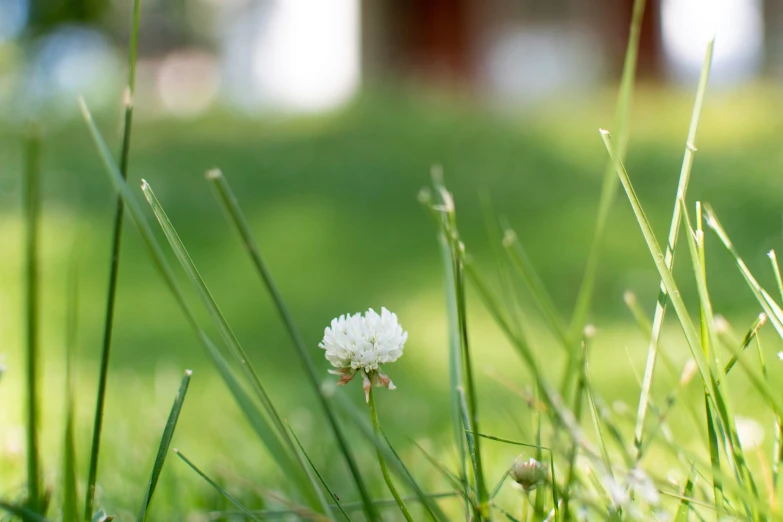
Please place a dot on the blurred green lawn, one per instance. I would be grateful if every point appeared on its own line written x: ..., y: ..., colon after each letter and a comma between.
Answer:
x: 332, y: 201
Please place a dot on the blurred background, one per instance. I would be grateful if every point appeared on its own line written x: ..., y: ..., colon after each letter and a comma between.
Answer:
x: 326, y: 116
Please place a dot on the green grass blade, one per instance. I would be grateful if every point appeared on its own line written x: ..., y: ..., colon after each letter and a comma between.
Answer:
x: 671, y: 245
x: 448, y: 228
x: 455, y: 481
x: 268, y: 435
x: 749, y: 336
x: 230, y: 204
x: 773, y: 259
x: 609, y: 187
x: 541, y: 297
x: 113, y: 270
x: 217, y: 487
x: 581, y: 389
x: 320, y: 477
x: 455, y: 366
x: 770, y: 307
x: 306, y: 485
x: 32, y: 209
x: 685, y: 506
x: 382, y: 462
x: 165, y: 442
x: 689, y: 330
x: 22, y: 512
x: 70, y: 508
x: 396, y: 465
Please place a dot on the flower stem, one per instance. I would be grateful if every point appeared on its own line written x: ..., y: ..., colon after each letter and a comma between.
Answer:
x: 384, y: 469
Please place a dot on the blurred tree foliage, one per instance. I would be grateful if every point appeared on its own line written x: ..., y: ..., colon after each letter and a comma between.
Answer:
x: 47, y: 14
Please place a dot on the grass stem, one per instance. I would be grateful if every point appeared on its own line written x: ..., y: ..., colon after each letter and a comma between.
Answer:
x: 382, y: 462
x: 32, y: 204
x: 114, y: 269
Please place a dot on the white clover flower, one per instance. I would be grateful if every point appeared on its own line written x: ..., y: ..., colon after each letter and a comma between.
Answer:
x: 362, y: 343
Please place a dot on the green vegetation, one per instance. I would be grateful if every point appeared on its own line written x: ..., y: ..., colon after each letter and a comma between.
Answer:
x: 505, y: 362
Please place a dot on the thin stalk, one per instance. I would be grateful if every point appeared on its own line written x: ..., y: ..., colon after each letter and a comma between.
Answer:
x: 674, y: 228
x: 114, y: 269
x: 382, y: 462
x: 608, y: 193
x: 578, y: 401
x: 455, y: 368
x: 32, y: 205
x: 217, y: 487
x: 70, y: 507
x: 231, y: 205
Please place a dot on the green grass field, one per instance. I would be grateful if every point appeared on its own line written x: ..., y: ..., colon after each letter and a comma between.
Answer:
x: 333, y: 204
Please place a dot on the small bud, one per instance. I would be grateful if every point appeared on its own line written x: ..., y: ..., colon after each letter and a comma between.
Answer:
x: 509, y: 238
x: 528, y: 474
x: 762, y: 319
x: 629, y: 297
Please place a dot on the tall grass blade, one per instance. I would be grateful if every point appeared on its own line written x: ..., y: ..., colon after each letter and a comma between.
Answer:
x: 320, y: 477
x: 609, y: 187
x: 685, y: 505
x: 261, y: 425
x: 165, y: 442
x: 382, y: 462
x: 749, y: 336
x: 694, y: 342
x: 230, y: 204
x: 541, y: 297
x: 455, y: 366
x: 449, y: 230
x: 114, y: 268
x: 217, y: 487
x: 70, y: 506
x: 32, y: 206
x: 22, y: 512
x: 396, y: 465
x: 671, y: 245
x: 308, y: 487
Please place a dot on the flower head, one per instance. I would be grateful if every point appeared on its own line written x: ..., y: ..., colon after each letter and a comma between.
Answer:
x: 361, y: 343
x: 528, y: 474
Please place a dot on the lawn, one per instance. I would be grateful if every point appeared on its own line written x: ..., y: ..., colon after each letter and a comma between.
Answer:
x: 332, y: 201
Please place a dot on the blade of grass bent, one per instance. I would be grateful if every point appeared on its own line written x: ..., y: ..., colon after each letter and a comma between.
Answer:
x: 230, y: 204
x: 671, y: 287
x: 113, y: 270
x: 269, y: 436
x: 217, y: 487
x: 32, y: 205
x: 305, y: 481
x: 674, y: 228
x: 165, y: 442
